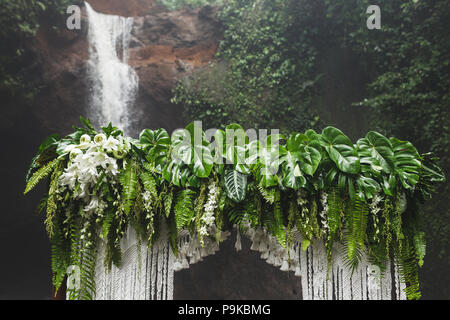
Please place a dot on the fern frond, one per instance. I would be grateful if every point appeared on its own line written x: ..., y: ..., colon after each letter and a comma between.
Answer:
x: 52, y: 206
x: 149, y: 183
x: 277, y: 223
x: 41, y: 174
x: 356, y: 227
x: 268, y: 194
x: 408, y: 270
x: 167, y: 200
x: 60, y: 257
x: 184, y: 208
x: 129, y: 179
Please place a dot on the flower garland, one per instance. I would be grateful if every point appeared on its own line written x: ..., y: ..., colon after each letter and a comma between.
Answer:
x: 363, y: 195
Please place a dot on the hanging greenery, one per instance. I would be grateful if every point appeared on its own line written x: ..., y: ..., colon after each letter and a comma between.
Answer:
x: 364, y: 195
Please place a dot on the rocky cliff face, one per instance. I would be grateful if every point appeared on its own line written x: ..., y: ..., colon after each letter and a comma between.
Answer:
x: 165, y: 47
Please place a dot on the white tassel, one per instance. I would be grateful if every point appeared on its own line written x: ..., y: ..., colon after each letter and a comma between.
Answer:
x: 284, y: 266
x: 298, y: 272
x: 238, y: 245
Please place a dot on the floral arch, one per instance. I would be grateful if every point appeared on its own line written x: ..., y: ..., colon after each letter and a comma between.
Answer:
x: 124, y: 214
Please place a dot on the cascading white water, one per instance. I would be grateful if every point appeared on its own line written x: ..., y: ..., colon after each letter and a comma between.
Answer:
x: 114, y: 87
x: 114, y: 82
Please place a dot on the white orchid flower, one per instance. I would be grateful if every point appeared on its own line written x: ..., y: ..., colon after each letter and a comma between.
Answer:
x: 100, y: 139
x: 85, y: 139
x: 74, y: 153
x: 69, y: 148
x: 83, y: 146
x: 111, y: 144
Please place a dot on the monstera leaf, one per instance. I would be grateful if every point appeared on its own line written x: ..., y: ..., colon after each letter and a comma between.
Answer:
x: 270, y: 159
x: 191, y: 147
x: 366, y: 187
x: 375, y: 151
x: 156, y: 144
x: 341, y: 150
x: 232, y: 147
x: 407, y: 162
x: 235, y: 185
x: 305, y: 152
x: 292, y: 175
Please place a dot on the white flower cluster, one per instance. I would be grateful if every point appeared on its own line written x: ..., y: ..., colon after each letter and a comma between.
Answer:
x: 374, y: 209
x: 324, y: 213
x: 88, y: 160
x: 147, y: 197
x: 208, y: 217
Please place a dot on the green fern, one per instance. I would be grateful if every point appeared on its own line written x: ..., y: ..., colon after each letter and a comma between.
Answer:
x: 408, y: 270
x: 85, y: 259
x: 60, y: 257
x: 335, y: 208
x: 41, y: 174
x: 52, y: 205
x: 276, y: 223
x: 268, y: 194
x: 167, y: 200
x: 184, y: 208
x: 149, y: 183
x: 357, y: 217
x: 129, y: 180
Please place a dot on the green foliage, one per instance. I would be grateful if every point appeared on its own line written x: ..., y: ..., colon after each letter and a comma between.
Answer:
x: 180, y: 4
x: 184, y: 208
x: 129, y: 180
x: 19, y: 22
x: 235, y: 184
x: 168, y: 180
x: 40, y: 174
x: 263, y: 61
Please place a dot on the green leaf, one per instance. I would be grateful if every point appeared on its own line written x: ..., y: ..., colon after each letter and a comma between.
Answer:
x: 42, y: 173
x: 184, y: 208
x: 235, y: 185
x: 129, y: 180
x: 407, y: 162
x: 376, y: 151
x: 341, y: 150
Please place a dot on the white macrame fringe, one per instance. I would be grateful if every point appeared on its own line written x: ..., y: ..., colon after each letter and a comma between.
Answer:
x: 144, y: 275
x: 148, y: 273
x: 318, y: 283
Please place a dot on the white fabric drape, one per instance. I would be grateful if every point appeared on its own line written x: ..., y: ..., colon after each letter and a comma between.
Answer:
x: 148, y: 274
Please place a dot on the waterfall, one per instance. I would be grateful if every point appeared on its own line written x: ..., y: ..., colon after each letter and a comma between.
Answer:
x: 114, y: 82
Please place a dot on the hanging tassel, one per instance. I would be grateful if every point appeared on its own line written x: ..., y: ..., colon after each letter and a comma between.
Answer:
x: 284, y: 266
x: 238, y: 245
x: 298, y: 272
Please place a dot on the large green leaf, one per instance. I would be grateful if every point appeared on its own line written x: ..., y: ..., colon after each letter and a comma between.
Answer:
x: 292, y: 175
x: 407, y: 162
x: 341, y: 150
x: 156, y: 144
x: 235, y: 185
x: 192, y: 148
x: 305, y: 152
x: 375, y: 151
x: 232, y: 147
